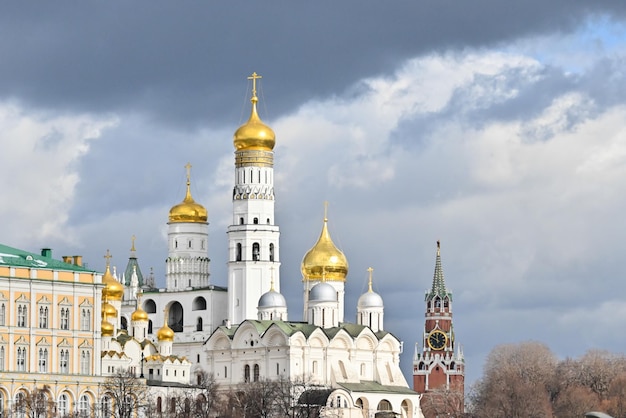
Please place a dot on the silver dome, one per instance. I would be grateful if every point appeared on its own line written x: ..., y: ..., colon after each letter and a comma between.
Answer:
x: 323, y: 292
x: 370, y: 300
x: 272, y: 299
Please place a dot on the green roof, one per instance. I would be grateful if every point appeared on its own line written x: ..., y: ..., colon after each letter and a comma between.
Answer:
x: 13, y: 257
x: 290, y: 328
x: 375, y: 387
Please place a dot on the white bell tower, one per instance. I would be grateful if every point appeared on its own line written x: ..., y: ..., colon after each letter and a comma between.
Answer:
x: 253, y: 237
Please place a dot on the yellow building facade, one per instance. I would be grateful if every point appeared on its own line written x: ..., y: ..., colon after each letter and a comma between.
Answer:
x: 49, y: 335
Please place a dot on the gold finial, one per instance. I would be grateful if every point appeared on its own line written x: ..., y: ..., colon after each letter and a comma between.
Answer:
x: 254, y: 78
x: 132, y: 240
x: 108, y: 257
x: 370, y: 270
x: 326, y: 211
x: 438, y: 247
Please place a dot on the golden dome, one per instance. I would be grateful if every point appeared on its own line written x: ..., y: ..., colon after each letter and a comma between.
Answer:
x: 108, y: 311
x: 113, y: 289
x: 107, y: 328
x: 165, y: 334
x: 324, y: 261
x: 254, y: 134
x: 188, y: 210
x: 139, y: 315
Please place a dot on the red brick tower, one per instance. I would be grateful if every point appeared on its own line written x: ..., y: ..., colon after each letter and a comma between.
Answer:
x: 439, y: 366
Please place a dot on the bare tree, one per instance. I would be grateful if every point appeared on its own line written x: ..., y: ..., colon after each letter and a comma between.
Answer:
x: 36, y: 404
x: 518, y: 382
x: 128, y: 393
x: 443, y: 402
x: 299, y: 398
x: 252, y: 400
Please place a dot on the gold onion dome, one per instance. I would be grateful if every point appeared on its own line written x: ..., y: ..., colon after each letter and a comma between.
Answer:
x: 324, y: 261
x: 165, y: 333
x: 108, y: 311
x: 106, y: 328
x: 254, y: 134
x: 113, y: 290
x: 188, y: 210
x: 139, y: 315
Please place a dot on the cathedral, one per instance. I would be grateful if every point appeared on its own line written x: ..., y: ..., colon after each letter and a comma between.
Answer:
x: 242, y: 332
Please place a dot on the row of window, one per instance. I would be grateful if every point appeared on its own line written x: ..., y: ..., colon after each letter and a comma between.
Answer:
x: 256, y: 252
x: 83, y: 407
x: 21, y: 360
x: 44, y: 316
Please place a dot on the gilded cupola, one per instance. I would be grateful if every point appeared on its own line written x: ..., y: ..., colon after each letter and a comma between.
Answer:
x: 113, y: 290
x: 324, y: 261
x: 188, y: 210
x: 139, y: 314
x: 165, y: 333
x: 254, y: 134
x: 106, y: 328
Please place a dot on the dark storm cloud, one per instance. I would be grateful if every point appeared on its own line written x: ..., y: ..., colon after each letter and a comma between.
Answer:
x: 181, y: 62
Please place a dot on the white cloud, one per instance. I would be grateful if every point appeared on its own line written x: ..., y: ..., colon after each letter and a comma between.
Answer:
x: 38, y: 166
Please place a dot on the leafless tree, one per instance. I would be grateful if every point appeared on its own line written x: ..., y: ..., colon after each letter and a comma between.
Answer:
x: 299, y: 398
x: 443, y: 402
x: 35, y: 404
x: 128, y: 393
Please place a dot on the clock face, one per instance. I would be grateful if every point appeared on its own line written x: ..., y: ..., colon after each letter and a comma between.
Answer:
x: 437, y: 340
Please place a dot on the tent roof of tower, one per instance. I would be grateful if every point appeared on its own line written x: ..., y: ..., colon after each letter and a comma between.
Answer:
x: 128, y: 273
x: 375, y: 387
x: 14, y: 257
x: 439, y: 284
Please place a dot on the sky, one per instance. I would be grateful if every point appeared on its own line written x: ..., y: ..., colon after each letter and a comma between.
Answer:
x: 496, y: 127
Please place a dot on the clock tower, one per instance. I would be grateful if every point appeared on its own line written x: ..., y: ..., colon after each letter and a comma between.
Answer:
x: 438, y: 365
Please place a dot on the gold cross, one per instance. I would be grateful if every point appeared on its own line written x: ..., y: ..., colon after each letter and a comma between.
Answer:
x: 188, y: 167
x: 370, y: 270
x: 108, y: 257
x: 132, y: 239
x: 254, y: 78
x: 325, y: 210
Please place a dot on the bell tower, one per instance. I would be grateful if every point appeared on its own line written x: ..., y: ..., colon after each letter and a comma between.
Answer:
x: 253, y: 237
x: 439, y: 364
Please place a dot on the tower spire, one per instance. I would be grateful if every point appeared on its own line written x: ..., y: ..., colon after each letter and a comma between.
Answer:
x: 369, y: 285
x: 439, y: 284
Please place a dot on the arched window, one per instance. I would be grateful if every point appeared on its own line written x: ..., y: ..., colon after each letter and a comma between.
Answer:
x: 199, y: 324
x: 384, y: 405
x: 238, y: 255
x: 175, y: 317
x: 20, y: 405
x: 257, y: 372
x: 3, y: 314
x: 172, y: 404
x: 1, y: 404
x: 149, y: 306
x: 159, y: 405
x: 150, y: 326
x: 256, y: 251
x: 240, y: 221
x: 406, y: 408
x: 246, y: 373
x: 124, y: 322
x: 105, y: 406
x: 83, y: 406
x: 268, y: 221
x: 62, y: 405
x: 199, y: 304
x: 2, y: 359
x: 255, y: 221
x: 271, y: 252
